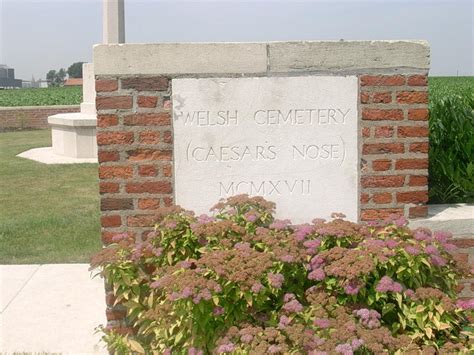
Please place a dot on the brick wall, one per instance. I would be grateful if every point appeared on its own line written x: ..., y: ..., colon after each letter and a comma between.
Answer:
x: 394, y: 146
x: 33, y: 117
x: 466, y: 254
x: 135, y: 134
x: 134, y: 137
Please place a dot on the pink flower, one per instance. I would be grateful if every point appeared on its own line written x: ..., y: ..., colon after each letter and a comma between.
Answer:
x: 386, y: 284
x: 226, y: 348
x: 302, y: 231
x: 276, y: 280
x: 273, y: 349
x: 256, y: 287
x: 287, y: 258
x: 280, y: 224
x: 422, y: 234
x: 352, y: 288
x: 412, y: 250
x: 119, y: 237
x: 251, y: 217
x: 391, y: 243
x: 322, y: 323
x: 284, y: 321
x: 194, y: 351
x: 344, y: 349
x: 246, y: 338
x: 437, y: 260
x: 409, y: 293
x: 442, y: 236
x: 288, y: 297
x: 293, y: 306
x: 171, y: 224
x: 465, y: 304
x: 432, y: 250
x: 217, y: 311
x: 317, y: 274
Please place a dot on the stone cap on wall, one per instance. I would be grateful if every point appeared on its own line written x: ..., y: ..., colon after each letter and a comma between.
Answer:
x: 263, y: 58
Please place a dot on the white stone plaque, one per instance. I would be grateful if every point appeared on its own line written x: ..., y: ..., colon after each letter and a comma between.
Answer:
x: 292, y: 140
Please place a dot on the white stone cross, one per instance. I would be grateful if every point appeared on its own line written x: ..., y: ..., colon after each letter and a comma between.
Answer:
x: 114, y: 22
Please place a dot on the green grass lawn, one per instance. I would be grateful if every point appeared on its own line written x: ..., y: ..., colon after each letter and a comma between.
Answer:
x: 48, y: 213
x: 41, y: 97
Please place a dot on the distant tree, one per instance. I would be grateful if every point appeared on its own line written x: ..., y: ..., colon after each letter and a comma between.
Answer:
x: 75, y: 70
x: 56, y: 78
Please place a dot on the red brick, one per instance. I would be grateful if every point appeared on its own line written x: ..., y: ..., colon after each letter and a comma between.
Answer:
x: 105, y: 156
x: 104, y: 121
x: 107, y: 236
x: 167, y: 170
x: 148, y: 119
x: 379, y: 214
x: 168, y: 201
x: 413, y: 131
x: 462, y: 257
x: 141, y: 221
x: 463, y: 242
x: 383, y: 148
x: 381, y: 165
x: 412, y: 97
x: 113, y: 102
x: 110, y: 221
x: 147, y: 101
x: 383, y: 181
x: 418, y: 80
x: 108, y: 187
x: 383, y: 132
x: 149, y: 154
x: 364, y: 97
x: 150, y: 137
x: 116, y: 204
x: 418, y: 114
x: 366, y: 132
x: 154, y: 187
x: 113, y: 314
x: 106, y: 85
x: 382, y: 80
x: 381, y: 97
x: 111, y: 172
x: 364, y: 198
x: 421, y: 147
x: 382, y: 197
x: 412, y: 197
x: 418, y: 180
x: 147, y: 170
x: 418, y: 212
x: 106, y: 138
x: 167, y: 137
x: 404, y: 164
x: 148, y: 203
x: 159, y: 83
x: 110, y: 299
x: 382, y: 115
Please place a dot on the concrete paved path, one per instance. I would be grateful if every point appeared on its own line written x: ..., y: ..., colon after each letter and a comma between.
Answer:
x: 50, y: 308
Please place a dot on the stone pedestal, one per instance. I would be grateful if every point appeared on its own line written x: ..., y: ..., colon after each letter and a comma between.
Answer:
x: 74, y: 135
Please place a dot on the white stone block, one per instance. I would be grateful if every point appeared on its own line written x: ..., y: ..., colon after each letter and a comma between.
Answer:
x: 293, y: 140
x: 88, y: 89
x: 74, y: 135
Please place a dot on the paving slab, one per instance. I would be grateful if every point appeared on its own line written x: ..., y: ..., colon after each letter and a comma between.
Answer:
x: 46, y: 156
x: 56, y: 311
x: 12, y: 279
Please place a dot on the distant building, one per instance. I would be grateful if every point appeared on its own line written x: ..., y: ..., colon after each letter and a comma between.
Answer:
x: 73, y: 82
x: 7, y: 78
x: 35, y: 83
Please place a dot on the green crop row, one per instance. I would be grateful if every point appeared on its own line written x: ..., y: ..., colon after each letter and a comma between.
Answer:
x: 451, y: 155
x: 41, y: 97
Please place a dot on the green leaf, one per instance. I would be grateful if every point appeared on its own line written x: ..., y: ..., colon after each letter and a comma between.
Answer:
x: 135, y: 346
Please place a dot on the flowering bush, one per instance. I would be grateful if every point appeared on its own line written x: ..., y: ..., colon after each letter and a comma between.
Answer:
x: 242, y: 282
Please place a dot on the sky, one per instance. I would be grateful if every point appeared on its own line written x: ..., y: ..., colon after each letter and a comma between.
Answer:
x: 39, y: 35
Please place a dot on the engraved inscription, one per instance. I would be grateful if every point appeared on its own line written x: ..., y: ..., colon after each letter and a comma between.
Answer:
x: 292, y: 140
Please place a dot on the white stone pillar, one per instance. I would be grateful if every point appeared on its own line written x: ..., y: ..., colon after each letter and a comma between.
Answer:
x: 114, y: 22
